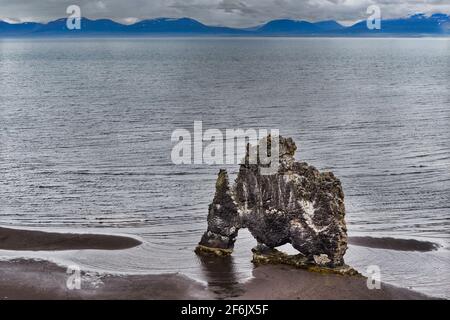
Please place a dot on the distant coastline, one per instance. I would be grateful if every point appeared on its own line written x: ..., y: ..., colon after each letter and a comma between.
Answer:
x: 418, y: 25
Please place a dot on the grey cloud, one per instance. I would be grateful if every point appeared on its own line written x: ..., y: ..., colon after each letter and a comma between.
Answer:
x: 236, y: 5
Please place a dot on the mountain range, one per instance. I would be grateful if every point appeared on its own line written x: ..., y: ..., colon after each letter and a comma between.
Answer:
x: 416, y: 25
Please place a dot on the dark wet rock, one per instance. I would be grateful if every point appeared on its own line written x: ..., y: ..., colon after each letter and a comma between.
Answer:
x: 297, y: 204
x: 223, y: 220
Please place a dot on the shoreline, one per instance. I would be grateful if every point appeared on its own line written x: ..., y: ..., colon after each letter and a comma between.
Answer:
x: 32, y: 240
x: 41, y: 280
x: 36, y: 279
x: 394, y: 244
x: 37, y: 240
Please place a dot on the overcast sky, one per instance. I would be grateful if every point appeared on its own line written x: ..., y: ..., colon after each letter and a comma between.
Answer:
x: 236, y: 13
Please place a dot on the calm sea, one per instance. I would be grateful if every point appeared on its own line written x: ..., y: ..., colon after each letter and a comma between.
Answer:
x: 85, y: 128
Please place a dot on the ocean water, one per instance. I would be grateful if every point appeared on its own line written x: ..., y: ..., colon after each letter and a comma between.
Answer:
x: 85, y: 142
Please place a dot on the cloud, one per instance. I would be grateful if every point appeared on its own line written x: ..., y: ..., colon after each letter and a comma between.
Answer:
x: 101, y: 5
x: 218, y: 12
x: 231, y: 6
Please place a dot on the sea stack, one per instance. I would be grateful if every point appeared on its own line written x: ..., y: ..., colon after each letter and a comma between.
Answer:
x: 297, y: 204
x: 223, y: 220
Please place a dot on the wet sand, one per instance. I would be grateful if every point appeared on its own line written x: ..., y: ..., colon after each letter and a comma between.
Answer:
x: 29, y: 240
x: 283, y: 282
x: 29, y: 279
x: 394, y: 244
x: 41, y: 280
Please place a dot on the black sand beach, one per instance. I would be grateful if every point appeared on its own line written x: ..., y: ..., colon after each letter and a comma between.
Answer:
x: 29, y: 240
x: 41, y: 280
x: 394, y: 244
x: 283, y: 282
x: 36, y: 280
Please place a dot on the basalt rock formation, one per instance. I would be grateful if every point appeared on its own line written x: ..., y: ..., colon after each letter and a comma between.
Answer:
x: 297, y: 204
x: 223, y: 220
